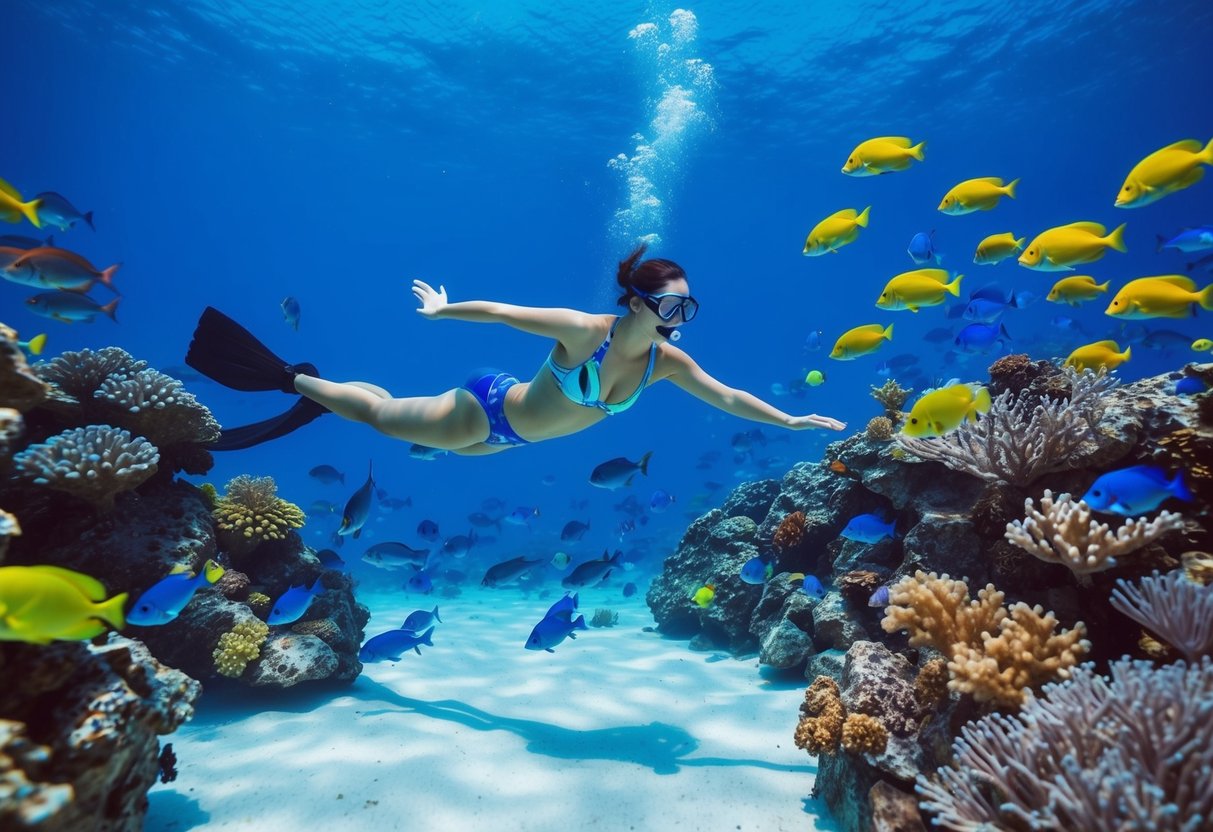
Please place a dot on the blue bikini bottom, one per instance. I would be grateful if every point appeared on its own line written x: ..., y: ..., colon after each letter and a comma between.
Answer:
x: 489, y: 387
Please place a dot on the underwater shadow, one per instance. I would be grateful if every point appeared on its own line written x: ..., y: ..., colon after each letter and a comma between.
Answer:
x: 658, y: 746
x: 172, y: 811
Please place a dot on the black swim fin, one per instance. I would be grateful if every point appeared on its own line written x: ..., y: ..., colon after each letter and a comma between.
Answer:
x: 237, y: 439
x: 224, y: 351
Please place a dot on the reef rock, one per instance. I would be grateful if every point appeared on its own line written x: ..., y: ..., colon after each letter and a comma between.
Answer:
x: 290, y: 659
x: 834, y: 624
x: 752, y: 500
x: 20, y: 387
x: 783, y: 624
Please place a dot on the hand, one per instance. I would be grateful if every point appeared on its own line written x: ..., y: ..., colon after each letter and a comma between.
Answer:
x: 815, y: 421
x: 431, y: 302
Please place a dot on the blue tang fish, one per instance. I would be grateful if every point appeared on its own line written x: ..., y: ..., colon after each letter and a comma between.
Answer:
x: 879, y: 598
x: 358, y: 509
x: 420, y: 583
x: 979, y: 338
x: 1135, y: 490
x: 1188, y: 240
x: 554, y: 629
x: 660, y: 501
x: 293, y: 603
x: 756, y: 571
x: 869, y: 528
x: 1190, y: 386
x: 419, y: 620
x: 393, y: 644
x: 566, y: 604
x: 813, y: 587
x: 922, y: 248
x: 165, y: 600
x: 522, y: 516
x: 813, y: 341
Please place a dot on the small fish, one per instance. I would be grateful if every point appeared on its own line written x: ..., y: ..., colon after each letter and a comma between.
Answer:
x: 861, y: 340
x: 291, y: 312
x: 69, y: 307
x: 1104, y: 354
x: 327, y: 474
x: 24, y: 243
x: 629, y: 589
x: 428, y: 530
x: 574, y: 530
x: 660, y: 501
x: 41, y: 604
x: 56, y: 268
x: 459, y: 545
x: 392, y: 555
x: 942, y: 411
x: 13, y: 206
x: 566, y: 604
x: 165, y: 600
x: 591, y: 572
x: 507, y: 570
x: 835, y: 231
x: 1165, y: 171
x: 331, y: 560
x: 554, y: 629
x: 426, y: 453
x: 1067, y: 323
x: 393, y: 644
x: 997, y: 247
x: 979, y: 338
x: 1163, y: 296
x: 916, y: 289
x: 756, y: 571
x: 1165, y: 340
x: 704, y: 596
x: 879, y: 598
x: 1189, y: 240
x: 1190, y: 386
x: 35, y: 345
x: 987, y: 304
x: 420, y: 620
x: 358, y: 509
x: 815, y: 378
x: 54, y: 209
x: 548, y: 479
x: 1202, y: 345
x: 838, y: 466
x: 1135, y: 490
x: 322, y: 507
x: 812, y: 341
x: 396, y: 503
x: 813, y: 587
x: 293, y: 603
x: 1076, y: 290
x: 1060, y: 249
x: 922, y: 249
x: 884, y: 154
x: 869, y: 528
x: 560, y: 560
x: 980, y: 194
x: 618, y: 472
x: 522, y: 516
x: 420, y: 582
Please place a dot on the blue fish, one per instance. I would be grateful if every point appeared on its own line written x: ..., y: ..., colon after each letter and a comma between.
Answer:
x: 331, y: 560
x: 291, y: 311
x: 522, y: 516
x: 660, y: 501
x: 618, y: 472
x: 979, y: 338
x: 922, y: 248
x: 591, y: 571
x: 459, y: 545
x: 1205, y: 263
x: 419, y: 620
x: 1190, y: 386
x: 1189, y: 240
x: 293, y: 603
x: 869, y: 528
x: 1135, y: 490
x: 629, y: 589
x: 574, y: 530
x: 54, y: 209
x: 566, y: 604
x: 554, y: 629
x: 427, y: 530
x: 393, y: 644
x: 813, y: 341
x: 165, y: 600
x: 327, y: 474
x: 420, y: 582
x: 813, y: 587
x: 358, y: 509
x: 756, y: 571
x: 879, y: 598
x: 26, y: 243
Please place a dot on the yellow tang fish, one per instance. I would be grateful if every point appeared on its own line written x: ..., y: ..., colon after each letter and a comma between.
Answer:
x: 1074, y: 290
x: 1202, y: 345
x: 704, y: 596
x: 996, y: 248
x: 835, y: 231
x: 941, y: 411
x: 976, y: 195
x: 1164, y: 296
x: 884, y: 154
x: 13, y: 207
x: 41, y: 604
x: 915, y: 289
x: 1173, y: 168
x: 1100, y: 354
x: 860, y: 341
x: 1059, y: 249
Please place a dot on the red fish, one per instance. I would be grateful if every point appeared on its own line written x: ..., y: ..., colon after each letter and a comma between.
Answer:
x: 57, y: 268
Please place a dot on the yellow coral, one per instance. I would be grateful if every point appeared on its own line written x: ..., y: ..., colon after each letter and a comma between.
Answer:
x: 880, y: 429
x: 1198, y: 567
x: 209, y: 494
x: 931, y: 684
x: 239, y: 647
x: 258, y: 602
x: 863, y: 734
x: 820, y: 728
x: 250, y: 512
x: 891, y: 396
x: 993, y: 653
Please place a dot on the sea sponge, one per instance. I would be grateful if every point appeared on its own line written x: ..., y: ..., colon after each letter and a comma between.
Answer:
x: 258, y: 602
x: 931, y: 684
x: 891, y: 396
x: 790, y: 532
x: 864, y: 734
x: 822, y: 717
x: 880, y: 429
x: 239, y: 647
x: 250, y: 512
x: 94, y: 463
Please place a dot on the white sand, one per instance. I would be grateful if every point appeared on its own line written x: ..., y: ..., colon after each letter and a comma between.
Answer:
x: 618, y: 730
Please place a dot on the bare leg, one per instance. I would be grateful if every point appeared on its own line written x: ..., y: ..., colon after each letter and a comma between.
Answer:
x: 450, y: 421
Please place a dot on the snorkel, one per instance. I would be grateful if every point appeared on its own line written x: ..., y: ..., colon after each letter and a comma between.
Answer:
x: 670, y: 333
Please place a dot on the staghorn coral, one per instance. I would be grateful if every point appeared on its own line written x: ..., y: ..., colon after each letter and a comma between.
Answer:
x: 1198, y: 567
x: 931, y: 684
x: 79, y: 374
x: 1171, y: 607
x: 864, y: 734
x: 258, y: 602
x: 20, y: 388
x: 880, y: 429
x: 239, y: 647
x: 891, y: 396
x: 94, y: 463
x: 1132, y: 751
x: 789, y: 533
x: 251, y: 512
x: 1063, y: 532
x: 994, y: 653
x: 822, y: 717
x: 157, y: 406
x: 1022, y: 438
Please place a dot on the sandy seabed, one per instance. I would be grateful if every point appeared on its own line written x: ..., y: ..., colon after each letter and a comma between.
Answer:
x: 620, y: 729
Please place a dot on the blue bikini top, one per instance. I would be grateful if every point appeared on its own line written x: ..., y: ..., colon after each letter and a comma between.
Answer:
x: 581, y: 384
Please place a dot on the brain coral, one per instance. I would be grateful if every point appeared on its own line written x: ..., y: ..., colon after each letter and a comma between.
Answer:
x: 94, y: 463
x: 251, y: 512
x: 239, y: 647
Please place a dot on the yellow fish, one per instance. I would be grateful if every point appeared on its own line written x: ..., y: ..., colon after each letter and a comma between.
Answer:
x: 13, y: 208
x: 35, y: 345
x: 1075, y: 290
x: 883, y: 155
x: 915, y: 289
x: 860, y: 341
x: 835, y: 231
x: 941, y: 411
x: 1059, y: 249
x: 996, y: 248
x: 1202, y: 345
x: 976, y: 195
x: 1175, y: 167
x: 41, y: 604
x: 704, y: 596
x: 1100, y: 354
x: 1164, y: 296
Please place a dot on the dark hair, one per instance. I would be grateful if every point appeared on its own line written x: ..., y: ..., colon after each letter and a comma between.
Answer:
x: 648, y: 276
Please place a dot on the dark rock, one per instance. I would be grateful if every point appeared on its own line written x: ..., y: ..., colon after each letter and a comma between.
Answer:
x: 843, y: 781
x: 287, y: 660
x: 893, y: 809
x: 834, y: 625
x: 947, y: 543
x: 752, y: 500
x: 826, y: 663
x: 826, y: 498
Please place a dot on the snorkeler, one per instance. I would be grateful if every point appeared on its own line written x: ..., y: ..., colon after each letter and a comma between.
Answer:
x: 599, y: 367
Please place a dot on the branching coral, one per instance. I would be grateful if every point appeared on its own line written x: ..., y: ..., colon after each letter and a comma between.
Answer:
x: 1063, y: 532
x: 864, y: 734
x: 94, y: 463
x: 1093, y: 753
x: 994, y: 653
x: 239, y: 647
x: 789, y: 533
x: 1022, y: 438
x: 880, y: 429
x: 822, y: 717
x: 251, y: 512
x: 159, y: 407
x: 891, y: 396
x: 1173, y: 608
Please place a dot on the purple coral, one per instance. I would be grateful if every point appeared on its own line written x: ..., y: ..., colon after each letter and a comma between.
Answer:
x: 1173, y: 608
x: 94, y: 463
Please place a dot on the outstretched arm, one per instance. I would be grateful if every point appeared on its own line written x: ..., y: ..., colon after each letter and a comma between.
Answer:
x: 681, y: 369
x: 559, y: 324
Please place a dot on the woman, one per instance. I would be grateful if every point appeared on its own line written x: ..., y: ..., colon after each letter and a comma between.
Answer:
x: 599, y: 367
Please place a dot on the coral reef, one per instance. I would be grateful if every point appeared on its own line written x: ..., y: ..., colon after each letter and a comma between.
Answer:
x: 158, y: 407
x: 80, y: 374
x: 95, y: 463
x: 1062, y: 531
x: 931, y: 684
x: 790, y: 533
x: 250, y: 512
x: 20, y: 388
x: 239, y: 646
x: 1175, y: 609
x: 863, y: 734
x: 891, y: 396
x: 880, y: 429
x: 822, y: 716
